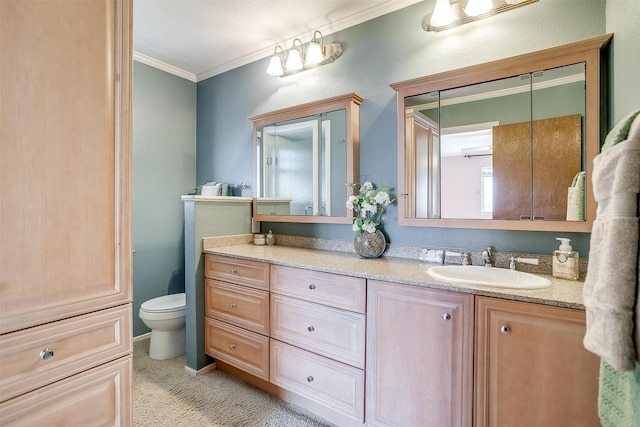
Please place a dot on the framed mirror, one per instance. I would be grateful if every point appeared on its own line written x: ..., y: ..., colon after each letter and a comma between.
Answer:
x: 503, y: 145
x: 303, y: 158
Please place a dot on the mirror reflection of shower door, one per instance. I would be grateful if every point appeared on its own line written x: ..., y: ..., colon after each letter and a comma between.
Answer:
x: 296, y: 162
x: 323, y: 156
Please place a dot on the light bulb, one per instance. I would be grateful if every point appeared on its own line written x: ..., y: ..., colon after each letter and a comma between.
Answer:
x: 294, y: 60
x: 442, y: 13
x: 478, y: 7
x: 275, y: 64
x: 314, y: 53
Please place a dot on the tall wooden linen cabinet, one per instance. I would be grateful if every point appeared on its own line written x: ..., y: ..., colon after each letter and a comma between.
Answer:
x: 65, y: 222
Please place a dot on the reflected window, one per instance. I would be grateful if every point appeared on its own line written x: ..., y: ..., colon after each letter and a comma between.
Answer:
x: 466, y: 156
x: 486, y: 190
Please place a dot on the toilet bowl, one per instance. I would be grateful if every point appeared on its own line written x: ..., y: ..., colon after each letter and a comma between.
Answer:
x: 165, y: 316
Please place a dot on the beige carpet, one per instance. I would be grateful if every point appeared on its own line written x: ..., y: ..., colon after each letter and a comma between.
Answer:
x: 164, y: 394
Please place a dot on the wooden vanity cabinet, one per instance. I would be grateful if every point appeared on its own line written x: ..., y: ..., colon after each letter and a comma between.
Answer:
x: 419, y: 356
x: 237, y: 313
x: 531, y: 366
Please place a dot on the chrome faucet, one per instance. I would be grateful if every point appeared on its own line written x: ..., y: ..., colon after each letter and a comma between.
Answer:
x: 487, y: 255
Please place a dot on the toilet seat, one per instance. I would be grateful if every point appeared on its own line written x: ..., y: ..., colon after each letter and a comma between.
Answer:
x: 164, y: 307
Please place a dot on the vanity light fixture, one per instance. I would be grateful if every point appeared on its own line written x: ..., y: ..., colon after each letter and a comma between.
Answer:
x: 453, y: 13
x: 297, y: 60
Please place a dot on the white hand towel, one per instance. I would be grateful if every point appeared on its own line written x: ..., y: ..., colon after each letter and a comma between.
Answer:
x: 611, y: 287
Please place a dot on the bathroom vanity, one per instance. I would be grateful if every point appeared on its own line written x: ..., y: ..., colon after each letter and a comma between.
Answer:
x: 298, y: 323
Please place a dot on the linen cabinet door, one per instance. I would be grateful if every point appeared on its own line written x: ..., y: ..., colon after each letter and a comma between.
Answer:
x: 65, y: 163
x: 65, y: 203
x: 419, y: 356
x: 531, y: 367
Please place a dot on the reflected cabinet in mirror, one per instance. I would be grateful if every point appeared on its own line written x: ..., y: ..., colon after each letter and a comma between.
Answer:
x: 503, y: 145
x: 304, y: 157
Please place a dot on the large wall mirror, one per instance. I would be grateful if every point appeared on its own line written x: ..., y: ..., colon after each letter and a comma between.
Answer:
x: 304, y: 157
x: 503, y: 145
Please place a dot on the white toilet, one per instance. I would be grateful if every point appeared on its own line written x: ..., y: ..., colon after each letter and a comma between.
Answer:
x: 165, y: 316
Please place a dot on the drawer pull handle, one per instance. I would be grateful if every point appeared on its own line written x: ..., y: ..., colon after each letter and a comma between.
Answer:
x: 311, y: 328
x: 309, y: 378
x: 232, y: 305
x: 46, y: 354
x: 505, y: 329
x: 312, y: 286
x: 446, y: 316
x: 232, y: 346
x: 234, y: 270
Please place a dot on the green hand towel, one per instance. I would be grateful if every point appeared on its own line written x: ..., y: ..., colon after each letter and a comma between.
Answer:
x: 619, y: 397
x: 620, y: 131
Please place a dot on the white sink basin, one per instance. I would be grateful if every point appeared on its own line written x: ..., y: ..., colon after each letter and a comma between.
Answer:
x: 488, y: 276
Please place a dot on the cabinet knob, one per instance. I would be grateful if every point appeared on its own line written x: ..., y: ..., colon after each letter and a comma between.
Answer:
x: 232, y: 305
x: 446, y: 316
x: 312, y: 286
x: 311, y: 328
x: 234, y: 270
x: 309, y: 378
x: 46, y: 354
x: 505, y: 329
x: 232, y: 346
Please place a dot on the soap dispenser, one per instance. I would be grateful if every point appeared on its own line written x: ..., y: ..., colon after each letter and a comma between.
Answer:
x: 271, y: 239
x: 565, y: 261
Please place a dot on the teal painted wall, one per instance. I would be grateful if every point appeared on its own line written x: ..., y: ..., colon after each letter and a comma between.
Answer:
x: 164, y: 119
x: 388, y: 49
x: 624, y: 94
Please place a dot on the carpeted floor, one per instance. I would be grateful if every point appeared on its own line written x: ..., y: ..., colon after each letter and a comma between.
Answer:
x: 164, y: 394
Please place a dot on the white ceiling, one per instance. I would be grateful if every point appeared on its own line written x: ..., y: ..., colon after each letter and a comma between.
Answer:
x: 197, y: 39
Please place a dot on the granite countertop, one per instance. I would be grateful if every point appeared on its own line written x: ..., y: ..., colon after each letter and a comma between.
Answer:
x: 562, y: 293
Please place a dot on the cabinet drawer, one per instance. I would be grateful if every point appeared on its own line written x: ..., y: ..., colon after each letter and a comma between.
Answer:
x: 239, y: 305
x: 238, y: 347
x: 338, y: 334
x: 330, y: 289
x: 98, y: 397
x: 239, y: 271
x: 335, y: 385
x: 76, y: 345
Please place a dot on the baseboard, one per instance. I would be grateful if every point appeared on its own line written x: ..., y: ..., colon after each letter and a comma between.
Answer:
x: 142, y: 337
x: 201, y: 371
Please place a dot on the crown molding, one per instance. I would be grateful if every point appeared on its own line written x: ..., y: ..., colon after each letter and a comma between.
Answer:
x: 152, y: 62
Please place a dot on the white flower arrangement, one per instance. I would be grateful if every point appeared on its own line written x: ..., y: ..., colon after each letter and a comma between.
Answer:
x: 368, y: 206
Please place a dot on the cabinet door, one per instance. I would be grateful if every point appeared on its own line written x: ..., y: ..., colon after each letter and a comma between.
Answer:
x: 419, y: 356
x: 557, y: 145
x: 532, y: 369
x: 65, y: 166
